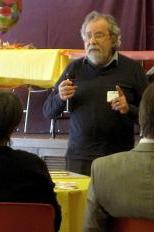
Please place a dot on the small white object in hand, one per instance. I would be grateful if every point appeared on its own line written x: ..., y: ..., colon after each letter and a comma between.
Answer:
x: 111, y: 95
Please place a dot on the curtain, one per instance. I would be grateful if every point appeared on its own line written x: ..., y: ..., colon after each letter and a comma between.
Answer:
x: 56, y: 24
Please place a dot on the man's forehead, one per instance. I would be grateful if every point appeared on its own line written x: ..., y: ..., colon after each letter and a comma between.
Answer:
x: 97, y: 25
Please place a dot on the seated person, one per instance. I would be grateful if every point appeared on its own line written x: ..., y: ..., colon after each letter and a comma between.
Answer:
x: 23, y: 176
x: 122, y: 184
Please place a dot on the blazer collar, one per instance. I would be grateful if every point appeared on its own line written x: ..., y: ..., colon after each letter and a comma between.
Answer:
x: 144, y: 147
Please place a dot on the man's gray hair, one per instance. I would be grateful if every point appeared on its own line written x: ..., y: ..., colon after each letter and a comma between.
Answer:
x: 114, y: 29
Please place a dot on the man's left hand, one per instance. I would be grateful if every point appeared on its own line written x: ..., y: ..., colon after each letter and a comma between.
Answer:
x: 120, y: 103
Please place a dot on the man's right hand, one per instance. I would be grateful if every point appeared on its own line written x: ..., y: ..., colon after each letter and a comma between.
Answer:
x: 66, y: 89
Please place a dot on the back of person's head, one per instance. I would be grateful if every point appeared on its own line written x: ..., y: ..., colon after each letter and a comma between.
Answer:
x: 10, y: 115
x: 146, y: 112
x: 113, y: 27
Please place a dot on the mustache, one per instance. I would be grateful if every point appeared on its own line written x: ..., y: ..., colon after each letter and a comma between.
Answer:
x: 93, y: 49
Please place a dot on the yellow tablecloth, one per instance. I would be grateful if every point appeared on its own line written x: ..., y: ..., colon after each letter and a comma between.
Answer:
x: 73, y: 203
x: 40, y: 67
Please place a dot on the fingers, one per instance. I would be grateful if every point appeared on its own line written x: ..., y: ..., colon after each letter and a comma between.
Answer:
x: 115, y: 105
x: 67, y: 89
x: 120, y: 91
x: 120, y: 104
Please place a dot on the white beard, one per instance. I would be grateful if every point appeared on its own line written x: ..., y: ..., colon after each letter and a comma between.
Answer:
x: 95, y: 57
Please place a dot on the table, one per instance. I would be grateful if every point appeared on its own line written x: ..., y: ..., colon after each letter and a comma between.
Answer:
x: 40, y: 67
x: 72, y: 201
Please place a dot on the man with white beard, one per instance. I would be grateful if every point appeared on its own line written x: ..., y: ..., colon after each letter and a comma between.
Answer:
x: 103, y: 89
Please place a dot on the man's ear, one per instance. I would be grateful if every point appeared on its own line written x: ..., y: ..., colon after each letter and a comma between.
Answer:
x: 114, y: 41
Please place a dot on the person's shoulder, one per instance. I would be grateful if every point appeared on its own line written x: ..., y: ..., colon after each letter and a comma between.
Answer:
x: 74, y: 66
x: 130, y: 65
x: 125, y: 59
x: 26, y: 156
x: 78, y: 61
x: 111, y: 160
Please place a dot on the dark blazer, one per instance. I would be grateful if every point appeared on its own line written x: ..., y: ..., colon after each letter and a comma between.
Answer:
x: 122, y: 185
x: 24, y: 178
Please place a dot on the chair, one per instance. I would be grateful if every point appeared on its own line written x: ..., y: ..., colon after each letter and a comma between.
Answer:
x: 132, y: 225
x: 33, y: 89
x: 26, y: 94
x: 56, y: 124
x: 26, y: 217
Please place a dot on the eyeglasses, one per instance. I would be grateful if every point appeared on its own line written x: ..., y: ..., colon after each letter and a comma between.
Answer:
x: 97, y: 36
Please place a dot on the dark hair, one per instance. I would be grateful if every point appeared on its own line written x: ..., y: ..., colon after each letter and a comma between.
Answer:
x: 146, y: 112
x: 10, y: 115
